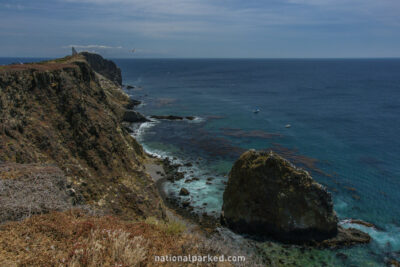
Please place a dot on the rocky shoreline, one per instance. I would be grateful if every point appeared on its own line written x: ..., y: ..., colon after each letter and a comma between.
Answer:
x: 209, y: 223
x: 338, y: 237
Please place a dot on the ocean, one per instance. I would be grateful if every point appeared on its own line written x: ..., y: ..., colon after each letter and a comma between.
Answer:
x: 337, y: 118
x: 344, y: 118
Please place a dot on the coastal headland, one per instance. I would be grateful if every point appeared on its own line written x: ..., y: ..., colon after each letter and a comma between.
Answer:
x: 78, y: 190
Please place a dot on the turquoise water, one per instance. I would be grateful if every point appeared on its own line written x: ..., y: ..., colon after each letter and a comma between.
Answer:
x: 344, y: 117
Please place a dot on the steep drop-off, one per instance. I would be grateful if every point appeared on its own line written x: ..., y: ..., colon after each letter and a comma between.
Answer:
x: 63, y: 113
x: 105, y: 67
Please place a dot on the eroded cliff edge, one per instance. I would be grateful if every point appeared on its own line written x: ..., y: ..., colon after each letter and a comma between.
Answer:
x: 63, y: 113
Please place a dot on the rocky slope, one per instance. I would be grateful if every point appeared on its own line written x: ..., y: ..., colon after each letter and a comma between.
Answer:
x: 64, y: 113
x: 267, y: 195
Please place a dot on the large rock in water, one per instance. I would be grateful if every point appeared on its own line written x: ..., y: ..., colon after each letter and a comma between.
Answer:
x: 266, y: 195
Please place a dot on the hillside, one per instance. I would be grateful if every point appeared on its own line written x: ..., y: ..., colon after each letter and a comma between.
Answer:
x: 64, y: 114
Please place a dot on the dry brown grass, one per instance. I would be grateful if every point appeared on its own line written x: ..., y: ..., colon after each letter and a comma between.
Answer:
x: 35, y: 66
x: 74, y: 239
x: 105, y: 246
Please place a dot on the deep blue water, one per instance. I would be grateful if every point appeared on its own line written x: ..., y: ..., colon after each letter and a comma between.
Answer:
x: 344, y: 117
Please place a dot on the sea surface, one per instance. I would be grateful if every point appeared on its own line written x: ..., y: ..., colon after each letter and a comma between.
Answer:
x: 344, y: 117
x: 337, y: 118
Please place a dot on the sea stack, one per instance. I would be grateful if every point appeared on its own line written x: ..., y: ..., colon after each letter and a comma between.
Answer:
x: 268, y: 196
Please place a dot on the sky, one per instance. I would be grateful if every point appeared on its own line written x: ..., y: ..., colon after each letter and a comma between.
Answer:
x: 201, y: 28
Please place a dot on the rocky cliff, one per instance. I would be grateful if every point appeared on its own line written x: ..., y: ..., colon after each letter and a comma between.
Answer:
x: 266, y: 195
x: 67, y: 113
x: 105, y: 67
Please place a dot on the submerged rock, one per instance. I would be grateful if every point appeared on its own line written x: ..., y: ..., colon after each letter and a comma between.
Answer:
x: 361, y: 222
x: 166, y: 117
x: 172, y: 117
x: 184, y: 192
x: 345, y: 238
x: 132, y: 103
x: 133, y: 116
x: 392, y: 263
x: 266, y: 195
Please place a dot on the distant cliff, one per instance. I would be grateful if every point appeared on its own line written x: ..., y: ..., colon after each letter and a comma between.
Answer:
x: 68, y: 113
x: 105, y: 67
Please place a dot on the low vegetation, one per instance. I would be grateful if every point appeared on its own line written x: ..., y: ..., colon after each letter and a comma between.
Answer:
x: 27, y: 189
x: 72, y: 238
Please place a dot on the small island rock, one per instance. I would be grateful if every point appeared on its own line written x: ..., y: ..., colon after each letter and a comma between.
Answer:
x: 266, y: 195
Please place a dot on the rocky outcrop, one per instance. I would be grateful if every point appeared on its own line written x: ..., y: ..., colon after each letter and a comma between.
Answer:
x: 171, y: 117
x: 345, y: 237
x: 63, y: 113
x: 105, y: 67
x: 266, y: 195
x: 184, y: 192
x: 133, y: 103
x: 133, y: 116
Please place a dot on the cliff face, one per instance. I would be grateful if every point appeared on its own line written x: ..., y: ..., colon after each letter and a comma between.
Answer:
x: 105, y: 67
x: 63, y: 113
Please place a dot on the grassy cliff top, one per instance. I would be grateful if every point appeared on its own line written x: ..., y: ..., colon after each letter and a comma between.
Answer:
x: 48, y: 65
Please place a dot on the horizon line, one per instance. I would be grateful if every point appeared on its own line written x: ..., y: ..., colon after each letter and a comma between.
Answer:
x: 248, y: 58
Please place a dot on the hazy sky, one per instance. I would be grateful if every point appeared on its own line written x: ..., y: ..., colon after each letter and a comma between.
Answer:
x: 201, y: 28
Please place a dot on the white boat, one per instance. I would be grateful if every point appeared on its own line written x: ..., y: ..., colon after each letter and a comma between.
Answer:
x: 256, y: 111
x: 288, y: 125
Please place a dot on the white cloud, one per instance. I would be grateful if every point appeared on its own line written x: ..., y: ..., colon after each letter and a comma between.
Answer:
x: 93, y: 47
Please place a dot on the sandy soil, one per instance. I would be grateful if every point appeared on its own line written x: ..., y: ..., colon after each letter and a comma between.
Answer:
x: 155, y: 169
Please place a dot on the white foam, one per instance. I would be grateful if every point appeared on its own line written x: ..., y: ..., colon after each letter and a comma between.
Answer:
x: 142, y: 104
x: 199, y: 189
x: 143, y: 127
x: 196, y: 119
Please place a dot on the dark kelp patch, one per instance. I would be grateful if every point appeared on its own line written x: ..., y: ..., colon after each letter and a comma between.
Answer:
x: 298, y: 159
x: 234, y: 132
